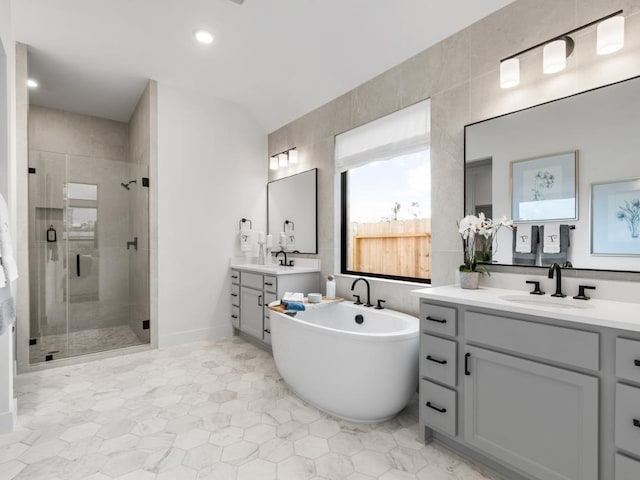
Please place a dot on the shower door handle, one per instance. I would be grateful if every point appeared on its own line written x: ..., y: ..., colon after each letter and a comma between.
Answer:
x: 78, y: 264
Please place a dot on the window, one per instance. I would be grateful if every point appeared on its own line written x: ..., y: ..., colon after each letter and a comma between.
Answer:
x: 385, y: 196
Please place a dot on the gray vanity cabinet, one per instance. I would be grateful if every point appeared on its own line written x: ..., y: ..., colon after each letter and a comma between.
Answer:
x: 251, y: 303
x: 252, y: 291
x: 541, y: 419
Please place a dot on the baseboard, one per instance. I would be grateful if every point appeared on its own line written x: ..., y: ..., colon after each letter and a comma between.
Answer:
x: 195, y: 335
x: 9, y: 420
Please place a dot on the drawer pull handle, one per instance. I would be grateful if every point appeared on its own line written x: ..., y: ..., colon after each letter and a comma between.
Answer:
x: 636, y: 422
x: 270, y: 284
x: 436, y: 360
x: 266, y: 330
x: 636, y: 363
x: 437, y: 320
x: 234, y: 316
x: 437, y: 409
x: 234, y: 276
x: 234, y: 294
x: 259, y: 300
x: 466, y: 364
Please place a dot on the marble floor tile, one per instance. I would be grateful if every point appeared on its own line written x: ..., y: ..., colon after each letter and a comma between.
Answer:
x: 207, y: 411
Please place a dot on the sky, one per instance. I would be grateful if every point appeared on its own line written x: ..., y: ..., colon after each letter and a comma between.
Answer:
x: 376, y: 187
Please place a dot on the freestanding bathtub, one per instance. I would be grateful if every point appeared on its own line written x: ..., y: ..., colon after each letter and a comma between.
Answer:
x: 362, y: 372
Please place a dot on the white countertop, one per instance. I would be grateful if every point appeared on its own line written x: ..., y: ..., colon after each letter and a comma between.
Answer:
x: 302, y: 266
x: 603, y: 313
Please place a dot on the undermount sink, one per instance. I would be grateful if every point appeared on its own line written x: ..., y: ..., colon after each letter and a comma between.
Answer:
x: 546, y: 301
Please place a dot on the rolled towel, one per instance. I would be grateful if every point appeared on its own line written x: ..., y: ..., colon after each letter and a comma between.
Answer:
x: 296, y: 306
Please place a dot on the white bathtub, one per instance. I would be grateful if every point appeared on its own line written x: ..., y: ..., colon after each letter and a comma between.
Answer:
x: 360, y: 372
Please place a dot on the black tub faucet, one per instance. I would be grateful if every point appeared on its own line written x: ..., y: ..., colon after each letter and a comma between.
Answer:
x: 555, y: 268
x: 353, y: 285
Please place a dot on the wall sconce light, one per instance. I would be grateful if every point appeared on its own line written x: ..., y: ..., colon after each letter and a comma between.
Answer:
x: 283, y: 159
x: 610, y: 38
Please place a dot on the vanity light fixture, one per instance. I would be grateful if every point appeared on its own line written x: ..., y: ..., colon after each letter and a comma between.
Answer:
x: 31, y: 83
x: 203, y: 36
x: 283, y: 159
x: 555, y: 51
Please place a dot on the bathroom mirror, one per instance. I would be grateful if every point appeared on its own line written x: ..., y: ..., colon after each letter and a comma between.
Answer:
x: 292, y: 211
x: 602, y: 126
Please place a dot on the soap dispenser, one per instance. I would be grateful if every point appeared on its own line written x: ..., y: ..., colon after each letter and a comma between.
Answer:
x: 331, y: 287
x: 52, y: 236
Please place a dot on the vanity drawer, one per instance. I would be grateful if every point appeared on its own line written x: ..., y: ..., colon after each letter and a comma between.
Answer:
x: 628, y: 418
x: 556, y: 344
x: 628, y: 359
x: 235, y: 316
x: 626, y: 468
x: 266, y: 333
x: 438, y: 407
x: 235, y: 295
x: 234, y: 275
x: 268, y: 298
x: 437, y: 319
x: 251, y: 280
x: 270, y: 283
x: 438, y: 359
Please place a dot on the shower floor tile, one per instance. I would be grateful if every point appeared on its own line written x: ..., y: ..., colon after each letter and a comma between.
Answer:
x: 207, y: 410
x: 83, y: 342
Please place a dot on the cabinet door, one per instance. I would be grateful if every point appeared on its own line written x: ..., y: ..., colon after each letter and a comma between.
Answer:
x: 251, y: 310
x: 540, y: 419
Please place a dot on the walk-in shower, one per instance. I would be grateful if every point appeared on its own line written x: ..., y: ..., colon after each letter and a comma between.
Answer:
x: 89, y: 291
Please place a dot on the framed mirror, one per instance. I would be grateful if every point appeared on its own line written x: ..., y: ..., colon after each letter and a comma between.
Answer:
x: 590, y: 138
x: 292, y: 212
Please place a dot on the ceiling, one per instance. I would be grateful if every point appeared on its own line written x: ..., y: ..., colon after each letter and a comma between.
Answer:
x: 279, y: 59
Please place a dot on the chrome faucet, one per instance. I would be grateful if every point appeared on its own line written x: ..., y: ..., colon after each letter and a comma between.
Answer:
x: 353, y: 285
x: 555, y: 268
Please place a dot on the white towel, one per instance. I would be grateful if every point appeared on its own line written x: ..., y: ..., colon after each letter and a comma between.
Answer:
x: 293, y: 297
x: 551, y: 240
x: 245, y: 240
x: 291, y: 242
x: 523, y: 239
x: 86, y: 265
x: 6, y: 247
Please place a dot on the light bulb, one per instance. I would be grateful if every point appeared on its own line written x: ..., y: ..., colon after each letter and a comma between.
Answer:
x: 509, y: 73
x: 273, y: 163
x: 203, y: 36
x: 283, y: 159
x: 610, y: 35
x: 293, y: 156
x: 554, y: 56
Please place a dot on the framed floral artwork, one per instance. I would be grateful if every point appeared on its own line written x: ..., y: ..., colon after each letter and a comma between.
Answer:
x: 615, y: 218
x: 544, y: 188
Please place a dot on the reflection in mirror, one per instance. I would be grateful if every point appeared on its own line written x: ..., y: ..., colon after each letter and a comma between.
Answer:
x: 598, y: 130
x: 292, y: 212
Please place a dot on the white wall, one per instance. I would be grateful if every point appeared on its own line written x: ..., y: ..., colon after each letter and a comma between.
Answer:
x: 7, y: 127
x: 212, y: 171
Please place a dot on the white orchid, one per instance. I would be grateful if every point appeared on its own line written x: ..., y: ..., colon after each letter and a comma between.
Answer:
x: 473, y: 226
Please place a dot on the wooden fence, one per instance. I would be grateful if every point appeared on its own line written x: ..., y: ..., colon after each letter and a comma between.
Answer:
x: 401, y: 247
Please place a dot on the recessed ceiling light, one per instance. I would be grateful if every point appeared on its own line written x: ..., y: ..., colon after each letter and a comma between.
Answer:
x: 31, y: 83
x: 203, y: 36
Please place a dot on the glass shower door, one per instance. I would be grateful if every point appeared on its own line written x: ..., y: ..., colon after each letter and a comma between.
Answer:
x: 89, y: 255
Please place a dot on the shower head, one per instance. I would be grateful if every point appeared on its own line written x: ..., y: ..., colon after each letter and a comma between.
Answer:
x: 126, y: 185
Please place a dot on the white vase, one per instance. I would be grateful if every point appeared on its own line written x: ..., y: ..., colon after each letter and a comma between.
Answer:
x: 469, y: 280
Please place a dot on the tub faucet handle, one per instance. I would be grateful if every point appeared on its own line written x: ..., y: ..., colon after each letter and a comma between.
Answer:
x: 379, y: 305
x: 357, y: 302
